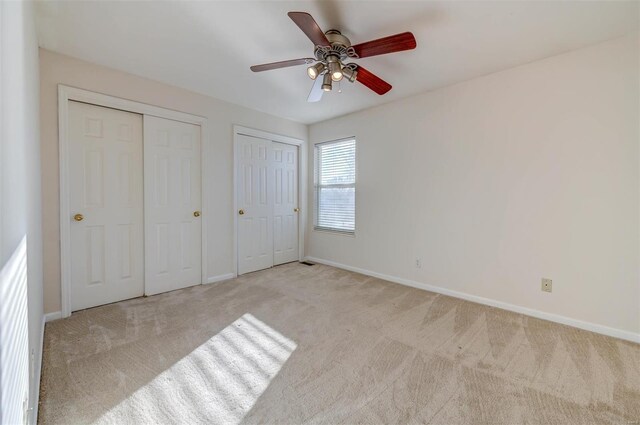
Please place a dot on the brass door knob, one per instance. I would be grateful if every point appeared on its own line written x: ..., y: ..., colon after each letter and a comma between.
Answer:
x: 196, y: 213
x: 241, y: 212
x: 78, y: 217
x: 296, y: 210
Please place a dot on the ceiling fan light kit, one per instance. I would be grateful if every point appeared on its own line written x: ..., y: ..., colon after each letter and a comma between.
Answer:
x: 314, y: 70
x: 332, y: 49
x: 326, y: 82
x: 350, y: 72
x: 335, y: 67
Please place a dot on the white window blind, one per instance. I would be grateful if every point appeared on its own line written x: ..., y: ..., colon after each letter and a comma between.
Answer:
x: 335, y: 186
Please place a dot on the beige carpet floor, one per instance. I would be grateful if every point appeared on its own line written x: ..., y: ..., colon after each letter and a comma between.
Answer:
x: 299, y: 344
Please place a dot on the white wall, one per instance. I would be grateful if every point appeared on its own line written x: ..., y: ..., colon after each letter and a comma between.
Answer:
x: 20, y: 214
x: 58, y: 69
x: 502, y: 180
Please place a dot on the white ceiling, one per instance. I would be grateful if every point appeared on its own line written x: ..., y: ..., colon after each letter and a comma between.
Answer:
x: 207, y: 47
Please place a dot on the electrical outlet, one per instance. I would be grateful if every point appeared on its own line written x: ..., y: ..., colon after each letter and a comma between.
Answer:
x: 547, y: 285
x: 418, y: 263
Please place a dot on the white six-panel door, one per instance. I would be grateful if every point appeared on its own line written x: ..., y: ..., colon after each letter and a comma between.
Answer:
x: 267, y: 201
x: 106, y: 232
x: 173, y: 229
x: 284, y: 162
x: 254, y: 197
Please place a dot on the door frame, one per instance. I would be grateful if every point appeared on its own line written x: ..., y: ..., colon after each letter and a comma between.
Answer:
x: 302, y: 187
x: 68, y: 93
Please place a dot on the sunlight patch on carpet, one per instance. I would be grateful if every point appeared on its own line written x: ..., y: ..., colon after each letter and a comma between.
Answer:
x: 218, y: 382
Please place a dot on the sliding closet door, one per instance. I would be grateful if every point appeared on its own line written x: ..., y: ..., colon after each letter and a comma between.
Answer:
x: 254, y: 195
x: 172, y: 193
x: 105, y: 200
x: 285, y: 203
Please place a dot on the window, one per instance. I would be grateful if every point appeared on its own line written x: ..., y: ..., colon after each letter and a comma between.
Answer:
x: 335, y: 186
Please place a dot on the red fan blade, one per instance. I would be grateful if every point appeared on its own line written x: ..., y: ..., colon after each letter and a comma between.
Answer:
x: 281, y: 64
x: 309, y: 26
x: 381, y: 46
x: 372, y: 81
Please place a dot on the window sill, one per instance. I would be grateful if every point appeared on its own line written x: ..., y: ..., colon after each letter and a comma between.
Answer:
x: 335, y: 232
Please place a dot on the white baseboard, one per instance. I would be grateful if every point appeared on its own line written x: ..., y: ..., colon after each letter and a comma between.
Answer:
x: 49, y: 317
x: 33, y: 417
x: 588, y: 326
x: 220, y: 278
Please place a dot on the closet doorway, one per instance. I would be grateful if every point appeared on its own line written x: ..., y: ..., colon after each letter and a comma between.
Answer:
x: 267, y: 198
x: 131, y: 182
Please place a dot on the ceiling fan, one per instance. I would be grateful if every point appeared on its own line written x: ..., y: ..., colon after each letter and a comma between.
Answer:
x: 332, y: 49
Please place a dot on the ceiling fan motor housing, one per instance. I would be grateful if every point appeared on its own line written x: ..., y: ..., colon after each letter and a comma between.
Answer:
x: 340, y: 47
x: 336, y: 37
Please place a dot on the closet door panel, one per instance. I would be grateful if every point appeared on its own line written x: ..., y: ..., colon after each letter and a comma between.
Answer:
x: 173, y: 229
x: 105, y: 200
x: 284, y: 164
x: 254, y: 195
